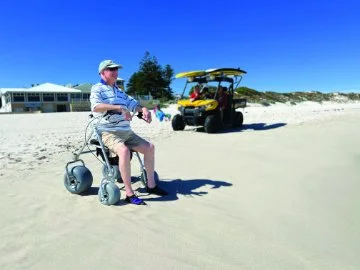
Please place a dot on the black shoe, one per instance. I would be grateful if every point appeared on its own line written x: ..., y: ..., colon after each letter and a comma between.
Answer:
x: 157, y: 191
x: 134, y: 200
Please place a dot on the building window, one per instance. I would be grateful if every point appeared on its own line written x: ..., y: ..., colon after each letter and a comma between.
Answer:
x: 8, y: 98
x: 75, y: 97
x: 86, y: 96
x: 48, y: 97
x: 62, y: 97
x: 19, y: 97
x: 34, y: 97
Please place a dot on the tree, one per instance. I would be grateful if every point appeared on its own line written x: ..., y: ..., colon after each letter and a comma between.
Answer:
x: 168, y: 76
x: 151, y: 78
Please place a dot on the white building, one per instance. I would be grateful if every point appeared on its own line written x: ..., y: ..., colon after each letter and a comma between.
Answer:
x: 46, y: 97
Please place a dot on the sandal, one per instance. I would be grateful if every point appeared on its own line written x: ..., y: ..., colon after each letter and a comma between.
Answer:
x: 134, y: 200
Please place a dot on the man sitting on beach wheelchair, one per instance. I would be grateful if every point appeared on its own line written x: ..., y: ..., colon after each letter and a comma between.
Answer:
x: 112, y: 108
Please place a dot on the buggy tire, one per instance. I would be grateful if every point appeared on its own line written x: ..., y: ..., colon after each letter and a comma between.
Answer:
x: 110, y: 195
x: 238, y: 120
x: 178, y: 122
x: 78, y: 180
x: 212, y: 124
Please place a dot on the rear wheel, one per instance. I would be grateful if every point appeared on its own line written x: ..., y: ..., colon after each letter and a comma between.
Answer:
x: 143, y: 178
x: 212, y: 124
x: 238, y: 119
x: 116, y: 172
x: 178, y: 122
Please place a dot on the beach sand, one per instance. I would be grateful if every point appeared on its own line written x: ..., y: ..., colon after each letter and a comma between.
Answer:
x: 282, y: 193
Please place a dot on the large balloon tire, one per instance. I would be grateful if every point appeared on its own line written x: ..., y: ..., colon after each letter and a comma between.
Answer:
x: 117, y: 175
x: 78, y: 180
x: 143, y: 178
x: 111, y: 196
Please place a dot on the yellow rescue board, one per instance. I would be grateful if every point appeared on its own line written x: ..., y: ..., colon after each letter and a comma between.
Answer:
x: 225, y: 71
x: 214, y: 71
x: 195, y: 73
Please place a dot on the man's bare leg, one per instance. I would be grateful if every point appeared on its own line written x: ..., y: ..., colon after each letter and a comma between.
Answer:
x: 123, y: 153
x: 148, y: 150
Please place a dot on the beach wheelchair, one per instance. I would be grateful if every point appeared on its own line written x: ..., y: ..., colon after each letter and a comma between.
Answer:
x: 78, y: 178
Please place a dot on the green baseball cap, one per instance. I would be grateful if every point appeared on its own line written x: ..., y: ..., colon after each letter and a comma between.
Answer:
x: 108, y: 64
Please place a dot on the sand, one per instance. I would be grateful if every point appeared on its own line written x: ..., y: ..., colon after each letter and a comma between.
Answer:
x: 282, y: 193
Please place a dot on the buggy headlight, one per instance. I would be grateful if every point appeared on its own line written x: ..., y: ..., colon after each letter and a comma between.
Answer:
x: 181, y: 109
x: 210, y: 106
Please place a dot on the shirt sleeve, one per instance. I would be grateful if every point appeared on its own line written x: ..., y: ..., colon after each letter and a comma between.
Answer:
x: 132, y: 103
x: 95, y: 96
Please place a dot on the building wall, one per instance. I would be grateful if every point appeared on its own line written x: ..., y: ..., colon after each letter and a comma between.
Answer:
x: 27, y: 105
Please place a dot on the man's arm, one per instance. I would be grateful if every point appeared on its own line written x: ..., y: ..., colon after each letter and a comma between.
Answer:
x: 103, y: 107
x: 97, y: 103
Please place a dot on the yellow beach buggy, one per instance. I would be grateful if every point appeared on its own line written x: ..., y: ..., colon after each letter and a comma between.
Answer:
x: 205, y: 111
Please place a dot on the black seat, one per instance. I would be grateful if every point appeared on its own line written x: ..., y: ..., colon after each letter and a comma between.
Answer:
x: 94, y: 142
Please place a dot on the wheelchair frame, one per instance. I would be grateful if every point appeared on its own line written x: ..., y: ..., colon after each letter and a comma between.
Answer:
x: 78, y: 178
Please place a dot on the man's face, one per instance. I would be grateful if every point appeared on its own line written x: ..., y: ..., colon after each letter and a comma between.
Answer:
x: 110, y: 75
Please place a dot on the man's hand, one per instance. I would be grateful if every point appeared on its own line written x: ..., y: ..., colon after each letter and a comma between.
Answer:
x: 127, y: 115
x: 146, y: 115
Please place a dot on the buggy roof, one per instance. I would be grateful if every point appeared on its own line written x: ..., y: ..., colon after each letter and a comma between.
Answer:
x: 213, y: 71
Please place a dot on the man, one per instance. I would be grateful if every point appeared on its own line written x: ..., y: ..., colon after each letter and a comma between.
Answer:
x: 107, y: 99
x: 223, y: 101
x: 206, y: 94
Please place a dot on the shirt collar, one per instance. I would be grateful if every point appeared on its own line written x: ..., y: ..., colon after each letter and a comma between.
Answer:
x: 103, y: 82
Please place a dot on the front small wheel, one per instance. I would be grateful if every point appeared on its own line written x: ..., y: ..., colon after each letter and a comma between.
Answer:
x: 109, y: 194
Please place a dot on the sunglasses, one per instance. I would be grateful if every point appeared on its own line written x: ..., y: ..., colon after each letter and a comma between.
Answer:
x: 113, y: 69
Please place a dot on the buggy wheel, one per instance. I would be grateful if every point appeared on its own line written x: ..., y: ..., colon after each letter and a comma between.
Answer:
x: 212, y: 124
x: 78, y: 180
x: 178, y: 122
x: 115, y: 172
x: 238, y: 119
x: 109, y: 194
x: 143, y: 178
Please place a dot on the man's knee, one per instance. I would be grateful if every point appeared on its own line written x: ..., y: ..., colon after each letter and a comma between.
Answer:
x: 122, y: 150
x: 151, y: 147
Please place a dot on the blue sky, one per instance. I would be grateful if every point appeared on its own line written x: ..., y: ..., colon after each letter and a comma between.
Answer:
x: 283, y: 45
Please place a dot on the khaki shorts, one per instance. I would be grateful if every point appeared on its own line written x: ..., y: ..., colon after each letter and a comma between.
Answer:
x: 129, y: 138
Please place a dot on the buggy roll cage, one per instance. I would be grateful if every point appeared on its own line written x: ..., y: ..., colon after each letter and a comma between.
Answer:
x: 230, y: 75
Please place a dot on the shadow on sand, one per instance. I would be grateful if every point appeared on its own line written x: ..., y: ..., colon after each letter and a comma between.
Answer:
x: 255, y: 127
x: 262, y: 126
x: 173, y: 187
x: 184, y: 187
